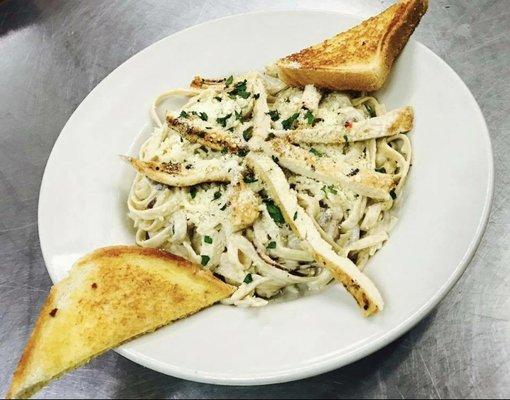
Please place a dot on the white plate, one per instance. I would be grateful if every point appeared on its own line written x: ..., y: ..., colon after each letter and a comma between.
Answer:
x: 448, y: 196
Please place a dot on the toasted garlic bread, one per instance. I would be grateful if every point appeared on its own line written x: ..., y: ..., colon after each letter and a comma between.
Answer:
x: 111, y: 296
x: 360, y: 58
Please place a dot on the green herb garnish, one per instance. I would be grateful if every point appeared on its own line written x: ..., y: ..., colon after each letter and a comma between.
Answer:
x: 275, y: 115
x: 330, y: 189
x: 274, y: 212
x: 248, y: 133
x: 256, y: 96
x: 203, y: 116
x: 295, y: 216
x: 207, y: 239
x: 217, y: 98
x: 240, y: 90
x: 382, y: 170
x: 353, y: 172
x: 229, y: 80
x: 275, y: 159
x: 289, y: 122
x: 223, y: 120
x: 271, y: 245
x: 242, y: 152
x: 270, y: 136
x: 217, y: 195
x: 393, y: 194
x: 250, y: 178
x: 193, y: 191
x: 248, y: 279
x: 370, y: 110
x: 184, y: 114
x: 204, y: 260
x: 309, y: 117
x: 316, y: 152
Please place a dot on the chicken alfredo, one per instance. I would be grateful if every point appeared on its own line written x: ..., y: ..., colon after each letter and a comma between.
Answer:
x: 276, y: 189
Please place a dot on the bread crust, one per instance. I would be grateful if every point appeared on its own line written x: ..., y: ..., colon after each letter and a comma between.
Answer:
x: 111, y: 296
x: 370, y: 50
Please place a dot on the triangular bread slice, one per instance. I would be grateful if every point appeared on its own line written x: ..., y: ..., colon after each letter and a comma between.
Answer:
x: 360, y: 58
x: 111, y: 296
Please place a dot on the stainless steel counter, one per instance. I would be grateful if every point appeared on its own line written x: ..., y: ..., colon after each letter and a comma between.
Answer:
x: 52, y: 53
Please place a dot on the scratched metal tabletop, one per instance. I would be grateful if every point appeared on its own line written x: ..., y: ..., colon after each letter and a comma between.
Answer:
x: 53, y: 53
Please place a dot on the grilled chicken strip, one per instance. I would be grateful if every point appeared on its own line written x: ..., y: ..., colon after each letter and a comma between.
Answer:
x: 187, y: 174
x: 392, y: 123
x: 343, y: 270
x: 333, y: 171
x: 213, y: 138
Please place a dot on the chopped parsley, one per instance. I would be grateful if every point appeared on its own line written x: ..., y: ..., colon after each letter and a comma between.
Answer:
x: 224, y: 207
x: 289, y: 122
x: 204, y: 260
x: 330, y: 189
x: 248, y: 133
x: 238, y: 115
x: 256, y: 96
x: 370, y: 110
x: 242, y: 152
x: 224, y: 150
x: 346, y: 143
x: 193, y: 191
x: 217, y: 98
x: 240, y: 90
x: 208, y: 239
x: 271, y: 245
x: 184, y: 114
x: 223, y: 120
x: 270, y: 136
x: 274, y: 211
x: 250, y: 178
x: 316, y: 152
x: 295, y: 216
x: 248, y: 279
x: 393, y: 194
x: 353, y: 172
x: 203, y: 116
x: 217, y: 195
x: 275, y: 115
x: 309, y: 117
x: 229, y: 80
x: 382, y: 170
x: 275, y: 159
x: 231, y: 129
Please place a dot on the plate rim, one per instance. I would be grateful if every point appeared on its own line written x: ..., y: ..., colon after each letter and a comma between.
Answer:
x: 327, y: 363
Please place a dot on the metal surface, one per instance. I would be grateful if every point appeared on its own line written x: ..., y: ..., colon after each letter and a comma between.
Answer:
x: 52, y: 53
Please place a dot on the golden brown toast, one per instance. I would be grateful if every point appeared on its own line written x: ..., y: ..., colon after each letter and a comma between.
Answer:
x: 111, y: 296
x: 360, y: 58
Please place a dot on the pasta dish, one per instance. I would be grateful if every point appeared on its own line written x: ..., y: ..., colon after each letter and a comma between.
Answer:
x: 277, y: 190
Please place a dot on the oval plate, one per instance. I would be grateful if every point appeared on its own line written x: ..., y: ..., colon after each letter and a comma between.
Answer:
x: 448, y: 196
